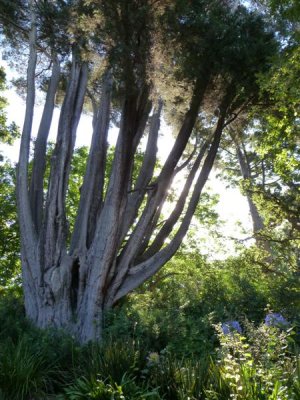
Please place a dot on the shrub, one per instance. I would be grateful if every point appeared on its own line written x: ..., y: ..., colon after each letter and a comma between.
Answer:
x: 24, y: 371
x: 176, y: 309
x: 258, y: 366
x: 176, y: 379
x: 111, y: 360
x: 97, y: 389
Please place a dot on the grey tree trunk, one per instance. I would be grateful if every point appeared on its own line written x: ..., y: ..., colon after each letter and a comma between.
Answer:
x: 30, y: 267
x: 39, y: 165
x: 257, y: 220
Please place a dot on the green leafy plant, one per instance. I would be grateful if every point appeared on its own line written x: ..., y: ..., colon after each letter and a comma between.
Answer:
x: 256, y: 366
x: 97, y: 389
x: 176, y: 378
x: 112, y: 359
x: 24, y: 371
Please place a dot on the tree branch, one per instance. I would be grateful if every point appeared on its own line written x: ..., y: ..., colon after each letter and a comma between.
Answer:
x: 177, y: 211
x: 141, y: 272
x: 55, y: 230
x: 92, y: 189
x: 146, y: 172
x: 28, y: 234
x: 39, y: 159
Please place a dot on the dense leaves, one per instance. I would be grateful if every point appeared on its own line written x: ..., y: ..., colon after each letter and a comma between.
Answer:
x: 9, y: 231
x: 8, y: 132
x: 9, y: 238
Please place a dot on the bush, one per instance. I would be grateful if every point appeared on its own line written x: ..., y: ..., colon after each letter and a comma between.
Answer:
x: 12, y: 315
x: 24, y: 371
x: 111, y: 359
x: 97, y: 389
x: 176, y: 379
x: 256, y: 366
x: 176, y: 309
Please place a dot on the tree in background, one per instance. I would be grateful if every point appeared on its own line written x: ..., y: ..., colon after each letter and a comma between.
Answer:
x: 111, y: 53
x: 8, y: 132
x: 266, y: 146
x: 9, y: 238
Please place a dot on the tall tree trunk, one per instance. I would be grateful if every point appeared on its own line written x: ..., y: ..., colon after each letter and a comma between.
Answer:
x: 47, y: 267
x: 257, y: 220
x: 39, y: 163
x: 138, y: 273
x: 91, y: 200
x: 30, y: 267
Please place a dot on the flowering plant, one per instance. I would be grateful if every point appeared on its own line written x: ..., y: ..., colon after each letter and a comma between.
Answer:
x: 276, y: 319
x: 257, y: 364
x: 231, y: 327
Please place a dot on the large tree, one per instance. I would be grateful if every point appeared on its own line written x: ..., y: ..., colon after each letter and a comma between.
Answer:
x: 131, y: 62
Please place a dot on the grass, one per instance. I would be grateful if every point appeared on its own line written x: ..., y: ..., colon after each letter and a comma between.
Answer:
x: 25, y: 371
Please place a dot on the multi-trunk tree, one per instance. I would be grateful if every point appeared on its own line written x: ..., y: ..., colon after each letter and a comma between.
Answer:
x: 114, y: 58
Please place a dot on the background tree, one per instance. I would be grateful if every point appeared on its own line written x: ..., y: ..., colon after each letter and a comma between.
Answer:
x: 9, y: 238
x: 8, y: 131
x: 267, y: 148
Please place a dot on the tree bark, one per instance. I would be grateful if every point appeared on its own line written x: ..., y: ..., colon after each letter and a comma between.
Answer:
x: 257, y: 220
x: 30, y: 267
x: 39, y: 163
x: 168, y: 226
x: 91, y: 199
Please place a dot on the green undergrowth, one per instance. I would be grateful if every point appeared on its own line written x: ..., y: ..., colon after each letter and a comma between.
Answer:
x: 259, y: 364
x: 195, y: 332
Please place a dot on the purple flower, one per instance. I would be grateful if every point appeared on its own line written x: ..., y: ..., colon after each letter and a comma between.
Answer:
x: 275, y: 319
x: 231, y: 326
